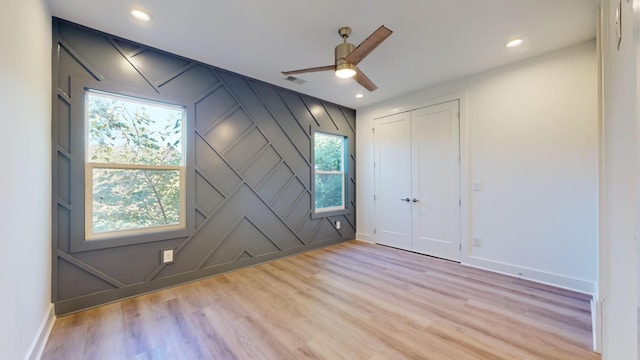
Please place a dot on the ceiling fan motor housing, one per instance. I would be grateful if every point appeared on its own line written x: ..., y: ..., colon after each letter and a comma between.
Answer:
x: 341, y: 52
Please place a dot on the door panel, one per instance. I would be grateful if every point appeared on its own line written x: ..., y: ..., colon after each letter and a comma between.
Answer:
x: 393, y: 180
x: 436, y: 180
x: 417, y: 156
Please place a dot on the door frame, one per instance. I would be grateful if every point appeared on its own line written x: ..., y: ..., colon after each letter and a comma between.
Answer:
x: 465, y: 206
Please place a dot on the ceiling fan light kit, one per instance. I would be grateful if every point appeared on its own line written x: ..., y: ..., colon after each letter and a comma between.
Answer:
x: 347, y: 56
x: 344, y: 69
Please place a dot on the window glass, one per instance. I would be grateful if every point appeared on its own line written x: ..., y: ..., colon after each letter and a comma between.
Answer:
x: 329, y: 172
x: 135, y: 165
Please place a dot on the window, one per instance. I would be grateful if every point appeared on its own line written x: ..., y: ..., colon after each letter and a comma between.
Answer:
x: 134, y: 166
x: 329, y: 191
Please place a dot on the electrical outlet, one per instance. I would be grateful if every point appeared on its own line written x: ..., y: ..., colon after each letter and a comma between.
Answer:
x: 167, y: 256
x: 338, y: 225
x: 477, y: 241
x: 477, y: 185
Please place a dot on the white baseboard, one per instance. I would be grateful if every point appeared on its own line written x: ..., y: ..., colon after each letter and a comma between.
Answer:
x: 596, y: 324
x: 40, y: 341
x: 364, y: 237
x: 557, y: 280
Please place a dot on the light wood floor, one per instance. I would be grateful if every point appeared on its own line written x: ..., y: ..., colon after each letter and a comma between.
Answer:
x: 350, y: 301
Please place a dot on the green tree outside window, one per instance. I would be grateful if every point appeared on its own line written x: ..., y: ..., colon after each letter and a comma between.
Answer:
x: 135, y: 164
x: 329, y: 182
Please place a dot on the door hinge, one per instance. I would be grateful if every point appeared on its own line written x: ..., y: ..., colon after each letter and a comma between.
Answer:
x: 373, y: 130
x: 460, y: 247
x: 459, y: 202
x: 374, y: 164
x: 374, y: 231
x: 374, y: 198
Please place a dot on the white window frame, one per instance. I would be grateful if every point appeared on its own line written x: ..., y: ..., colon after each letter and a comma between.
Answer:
x: 334, y: 210
x: 91, y: 165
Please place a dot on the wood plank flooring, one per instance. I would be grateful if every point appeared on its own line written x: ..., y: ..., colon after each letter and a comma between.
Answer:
x: 349, y: 301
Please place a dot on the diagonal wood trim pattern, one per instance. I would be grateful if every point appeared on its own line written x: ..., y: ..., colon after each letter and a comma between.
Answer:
x: 348, y: 301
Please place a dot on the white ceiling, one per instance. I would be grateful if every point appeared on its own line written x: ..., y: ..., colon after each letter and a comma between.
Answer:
x: 433, y: 41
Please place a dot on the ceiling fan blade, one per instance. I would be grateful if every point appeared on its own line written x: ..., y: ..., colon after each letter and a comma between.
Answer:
x: 363, y: 80
x: 367, y: 46
x: 308, y: 70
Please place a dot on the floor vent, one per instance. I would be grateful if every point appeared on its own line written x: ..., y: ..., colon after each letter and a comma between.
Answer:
x: 294, y: 79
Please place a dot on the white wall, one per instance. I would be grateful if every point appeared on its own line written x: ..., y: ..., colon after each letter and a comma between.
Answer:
x: 636, y: 34
x: 25, y: 183
x: 530, y: 135
x: 619, y: 219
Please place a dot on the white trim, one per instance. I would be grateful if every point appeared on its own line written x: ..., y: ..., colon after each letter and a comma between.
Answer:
x: 40, y: 341
x: 464, y: 171
x: 596, y: 324
x: 599, y: 287
x: 543, y: 277
x: 328, y: 209
x: 117, y: 166
x: 365, y: 237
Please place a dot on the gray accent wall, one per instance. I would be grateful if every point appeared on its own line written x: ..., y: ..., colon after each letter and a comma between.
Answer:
x: 249, y: 173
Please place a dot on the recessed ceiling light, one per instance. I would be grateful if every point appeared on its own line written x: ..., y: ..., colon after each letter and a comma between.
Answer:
x: 140, y: 15
x: 513, y: 43
x: 359, y: 96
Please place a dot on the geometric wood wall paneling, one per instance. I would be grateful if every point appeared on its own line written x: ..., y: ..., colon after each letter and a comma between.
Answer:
x: 324, y: 232
x: 74, y: 281
x: 207, y: 197
x: 191, y: 83
x: 212, y: 107
x: 200, y: 218
x: 63, y: 228
x: 63, y: 167
x: 70, y: 65
x: 212, y: 167
x: 128, y: 265
x: 154, y: 64
x: 259, y: 113
x: 247, y: 149
x: 97, y: 52
x: 290, y: 194
x: 317, y: 109
x: 245, y: 240
x: 272, y: 188
x: 64, y: 124
x: 299, y: 110
x: 252, y: 177
x: 257, y: 171
x: 227, y: 130
x: 282, y: 114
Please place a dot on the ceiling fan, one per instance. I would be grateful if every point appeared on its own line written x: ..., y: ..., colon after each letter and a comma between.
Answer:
x: 348, y: 56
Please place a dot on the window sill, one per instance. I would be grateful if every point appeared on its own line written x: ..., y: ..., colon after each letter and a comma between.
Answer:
x: 81, y: 245
x: 324, y: 214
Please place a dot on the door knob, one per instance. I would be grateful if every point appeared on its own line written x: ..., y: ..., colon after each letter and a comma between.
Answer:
x: 415, y: 200
x: 405, y: 199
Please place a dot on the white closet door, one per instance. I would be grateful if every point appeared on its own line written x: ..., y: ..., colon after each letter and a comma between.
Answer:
x: 392, y: 146
x: 435, y: 139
